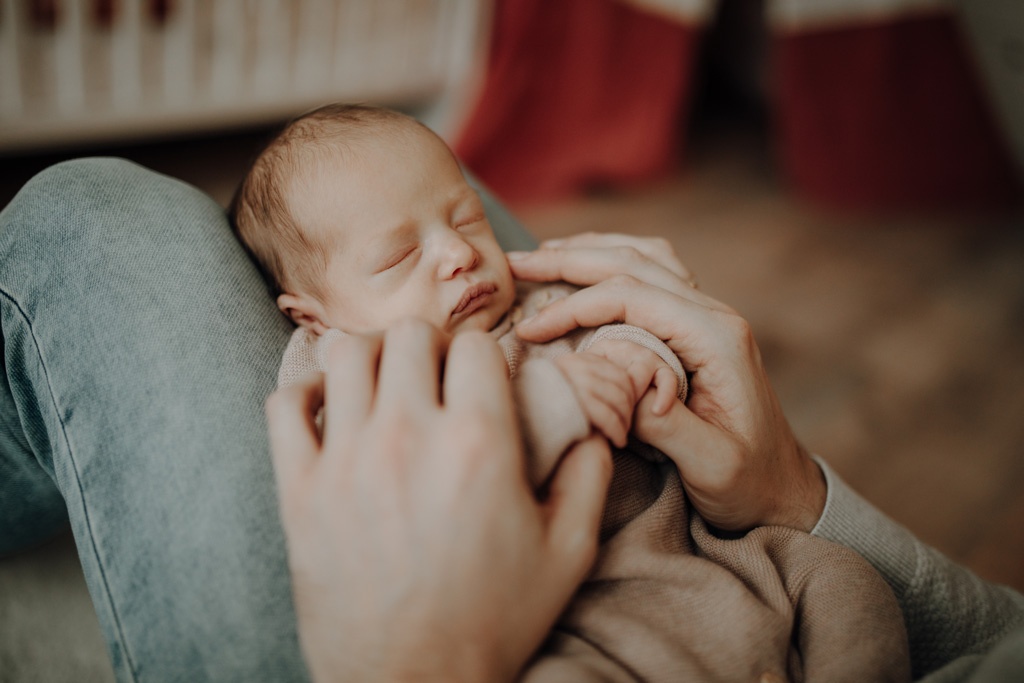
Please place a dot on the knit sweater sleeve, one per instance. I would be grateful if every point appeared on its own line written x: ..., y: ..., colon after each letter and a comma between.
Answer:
x: 952, y: 616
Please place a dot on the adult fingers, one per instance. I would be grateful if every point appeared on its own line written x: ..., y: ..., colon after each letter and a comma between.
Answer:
x: 590, y: 265
x: 657, y: 249
x: 690, y: 442
x: 409, y: 376
x: 350, y: 383
x: 476, y: 378
x: 689, y: 328
x: 587, y: 267
x: 712, y: 463
x: 291, y: 423
x: 575, y: 501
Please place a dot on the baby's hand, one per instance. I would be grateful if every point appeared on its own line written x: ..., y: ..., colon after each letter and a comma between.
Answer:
x: 604, y: 390
x: 644, y: 367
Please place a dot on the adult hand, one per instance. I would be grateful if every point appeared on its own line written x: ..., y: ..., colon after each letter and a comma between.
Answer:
x: 417, y: 549
x: 739, y: 461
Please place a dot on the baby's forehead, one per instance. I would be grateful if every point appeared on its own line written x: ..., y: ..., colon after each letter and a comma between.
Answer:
x: 333, y: 176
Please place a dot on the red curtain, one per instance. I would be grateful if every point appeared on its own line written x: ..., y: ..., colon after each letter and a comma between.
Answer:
x: 578, y: 93
x: 583, y: 93
x: 888, y: 115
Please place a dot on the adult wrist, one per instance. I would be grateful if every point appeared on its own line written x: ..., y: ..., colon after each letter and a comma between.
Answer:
x: 804, y: 503
x: 817, y: 494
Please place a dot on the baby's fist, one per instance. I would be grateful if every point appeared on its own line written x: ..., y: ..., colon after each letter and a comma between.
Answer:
x: 605, y: 393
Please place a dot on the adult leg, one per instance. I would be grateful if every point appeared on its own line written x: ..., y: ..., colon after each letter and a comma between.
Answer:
x: 139, y: 344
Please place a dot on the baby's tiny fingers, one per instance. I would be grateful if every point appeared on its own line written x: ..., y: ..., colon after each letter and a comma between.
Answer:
x: 607, y: 419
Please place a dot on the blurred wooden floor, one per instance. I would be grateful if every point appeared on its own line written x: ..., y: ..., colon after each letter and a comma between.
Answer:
x: 896, y: 345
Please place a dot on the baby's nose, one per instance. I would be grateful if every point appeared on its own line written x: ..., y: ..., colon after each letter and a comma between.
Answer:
x: 459, y: 255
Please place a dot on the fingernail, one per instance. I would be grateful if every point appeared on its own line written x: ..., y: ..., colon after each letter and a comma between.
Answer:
x: 527, y: 320
x: 516, y: 255
x: 556, y: 242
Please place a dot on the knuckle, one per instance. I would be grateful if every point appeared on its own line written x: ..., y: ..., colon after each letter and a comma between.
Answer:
x: 662, y: 245
x: 631, y: 254
x: 623, y: 282
x: 472, y: 440
x: 739, y: 328
x: 397, y: 444
x: 395, y: 421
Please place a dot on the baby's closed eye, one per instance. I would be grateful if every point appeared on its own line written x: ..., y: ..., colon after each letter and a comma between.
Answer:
x: 397, y: 258
x: 465, y: 224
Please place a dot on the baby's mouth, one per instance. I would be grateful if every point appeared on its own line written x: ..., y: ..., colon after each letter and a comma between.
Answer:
x: 474, y: 297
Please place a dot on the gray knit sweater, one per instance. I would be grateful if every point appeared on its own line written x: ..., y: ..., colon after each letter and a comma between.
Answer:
x: 953, y: 618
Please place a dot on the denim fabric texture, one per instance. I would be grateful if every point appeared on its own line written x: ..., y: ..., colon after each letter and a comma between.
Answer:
x: 139, y: 343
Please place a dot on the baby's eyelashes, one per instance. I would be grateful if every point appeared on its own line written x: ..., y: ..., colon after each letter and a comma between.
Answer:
x: 396, y: 259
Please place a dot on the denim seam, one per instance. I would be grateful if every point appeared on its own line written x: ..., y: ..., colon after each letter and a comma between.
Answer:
x: 85, y: 510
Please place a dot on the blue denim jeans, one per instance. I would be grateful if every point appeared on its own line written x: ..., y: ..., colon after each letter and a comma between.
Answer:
x: 139, y: 343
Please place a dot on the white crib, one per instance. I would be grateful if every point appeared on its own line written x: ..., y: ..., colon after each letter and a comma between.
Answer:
x: 74, y: 71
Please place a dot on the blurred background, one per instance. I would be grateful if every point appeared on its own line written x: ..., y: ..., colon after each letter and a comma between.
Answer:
x: 845, y: 173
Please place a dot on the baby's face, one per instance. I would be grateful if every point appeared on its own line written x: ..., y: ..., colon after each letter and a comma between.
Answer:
x: 411, y: 238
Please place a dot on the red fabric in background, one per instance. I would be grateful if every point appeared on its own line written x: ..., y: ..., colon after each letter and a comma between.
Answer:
x: 888, y: 115
x: 873, y: 116
x: 578, y: 93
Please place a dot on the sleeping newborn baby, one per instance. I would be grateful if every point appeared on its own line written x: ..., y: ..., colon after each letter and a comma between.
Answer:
x: 359, y: 216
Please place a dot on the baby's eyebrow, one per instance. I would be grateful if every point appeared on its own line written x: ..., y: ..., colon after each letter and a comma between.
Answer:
x: 462, y: 192
x: 464, y: 196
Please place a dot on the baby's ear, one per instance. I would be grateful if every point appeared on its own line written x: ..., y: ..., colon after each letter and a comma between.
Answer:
x: 304, y: 311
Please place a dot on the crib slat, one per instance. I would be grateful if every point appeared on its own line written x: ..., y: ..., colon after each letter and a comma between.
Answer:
x: 179, y: 48
x: 353, y: 19
x: 10, y: 79
x: 126, y: 67
x: 69, y: 55
x: 441, y: 52
x: 229, y: 26
x: 270, y: 75
x: 460, y: 48
x: 313, y: 38
x: 459, y: 57
x: 217, y: 63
